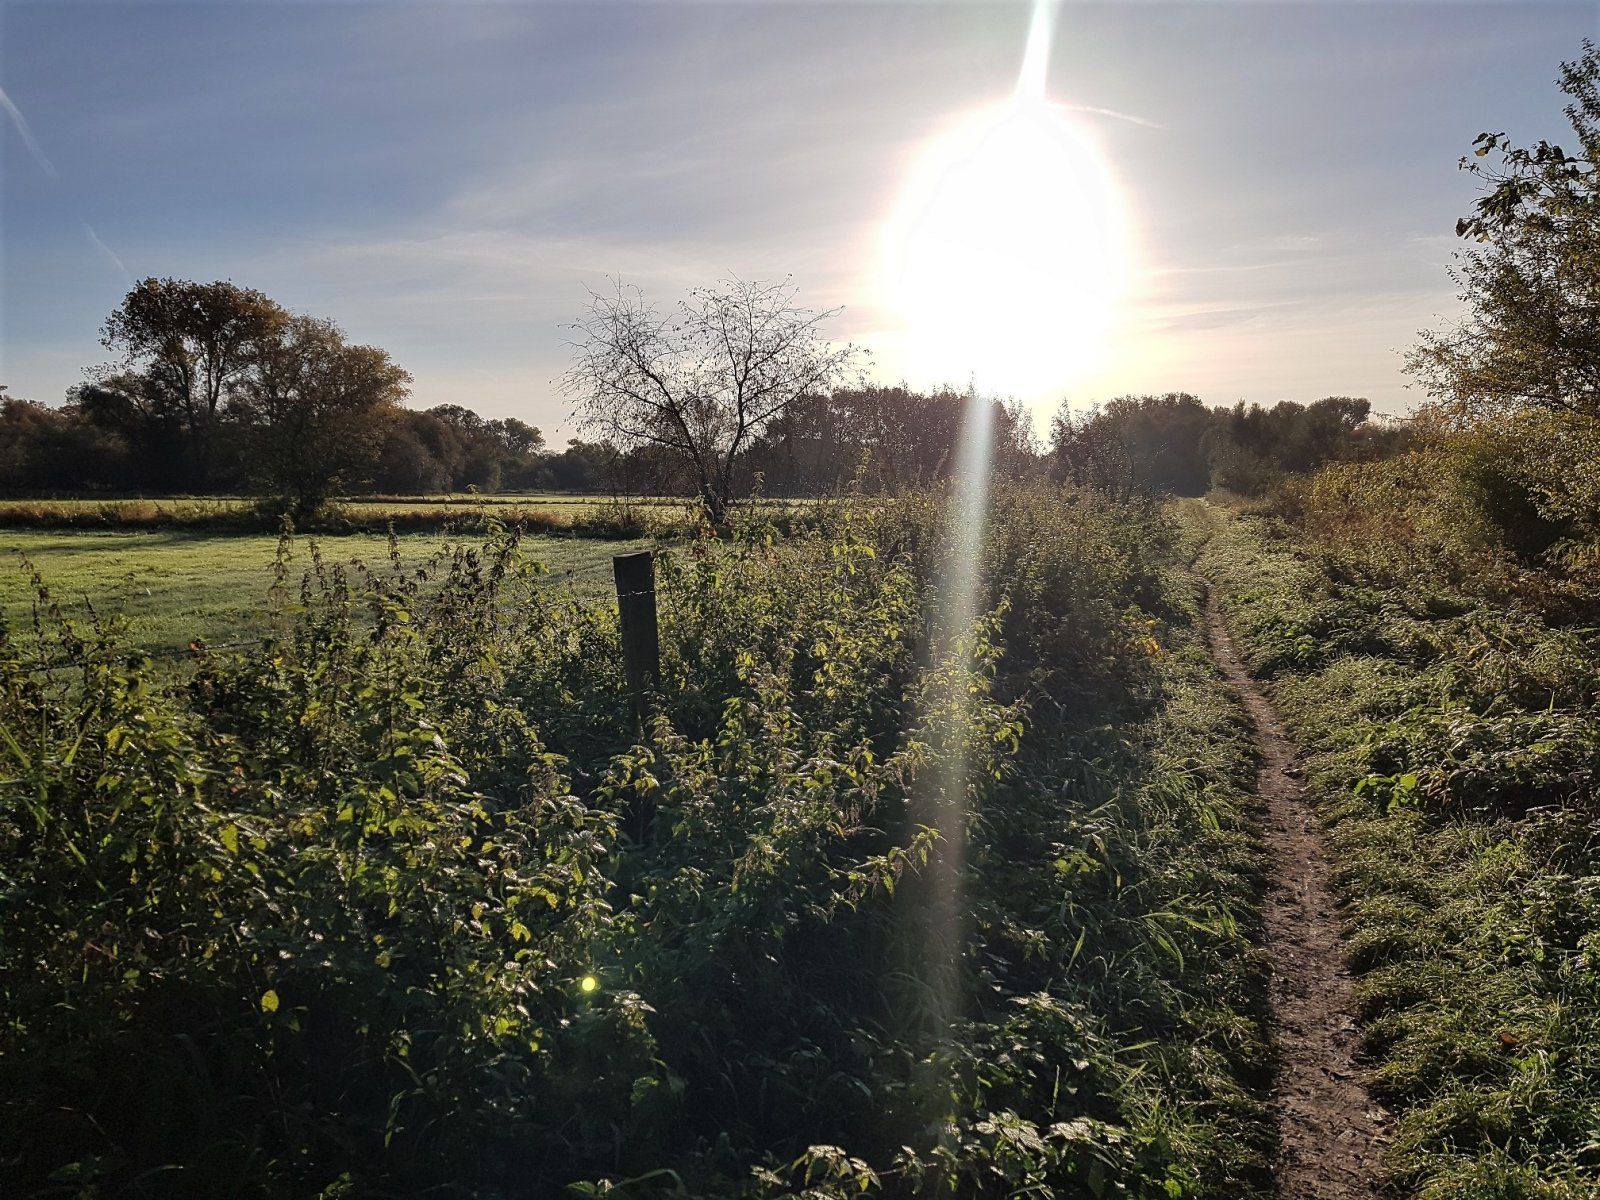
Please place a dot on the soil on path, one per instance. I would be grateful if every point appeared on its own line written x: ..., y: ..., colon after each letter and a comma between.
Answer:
x: 1330, y: 1130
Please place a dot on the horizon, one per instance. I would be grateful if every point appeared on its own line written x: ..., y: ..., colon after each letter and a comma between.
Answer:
x: 446, y: 181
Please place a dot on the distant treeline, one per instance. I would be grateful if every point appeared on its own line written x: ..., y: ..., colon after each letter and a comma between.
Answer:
x: 103, y: 442
x: 220, y: 391
x: 1175, y: 445
x: 878, y: 439
x: 99, y: 443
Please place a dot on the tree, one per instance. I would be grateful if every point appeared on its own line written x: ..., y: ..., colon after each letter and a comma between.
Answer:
x: 1531, y: 339
x: 193, y: 342
x: 1135, y: 443
x: 316, y: 409
x: 705, y: 381
x: 54, y: 449
x: 581, y: 467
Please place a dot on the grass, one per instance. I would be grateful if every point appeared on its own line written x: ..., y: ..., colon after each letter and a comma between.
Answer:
x: 175, y: 586
x: 1453, y: 753
x: 543, y: 512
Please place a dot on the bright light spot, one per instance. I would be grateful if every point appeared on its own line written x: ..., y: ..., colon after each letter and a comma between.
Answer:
x: 1008, y: 256
x: 589, y: 983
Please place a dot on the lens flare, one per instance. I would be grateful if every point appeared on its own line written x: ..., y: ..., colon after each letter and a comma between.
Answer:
x: 1008, y: 257
x: 940, y: 802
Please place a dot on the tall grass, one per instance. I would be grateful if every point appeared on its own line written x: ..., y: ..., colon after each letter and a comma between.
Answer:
x: 1454, y: 739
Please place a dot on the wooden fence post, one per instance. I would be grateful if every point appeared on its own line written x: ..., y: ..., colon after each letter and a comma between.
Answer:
x: 636, y: 611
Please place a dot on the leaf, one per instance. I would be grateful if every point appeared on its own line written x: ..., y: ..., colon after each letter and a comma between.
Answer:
x: 230, y: 838
x: 269, y: 1001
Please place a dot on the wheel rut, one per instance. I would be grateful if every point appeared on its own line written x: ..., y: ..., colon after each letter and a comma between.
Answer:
x: 1330, y: 1130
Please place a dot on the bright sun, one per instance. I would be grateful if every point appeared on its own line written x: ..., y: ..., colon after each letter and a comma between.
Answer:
x: 1008, y: 257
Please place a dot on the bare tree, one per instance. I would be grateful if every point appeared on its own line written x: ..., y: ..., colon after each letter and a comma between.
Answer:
x: 703, y: 381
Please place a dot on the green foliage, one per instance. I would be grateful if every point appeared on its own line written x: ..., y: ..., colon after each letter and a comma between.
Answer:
x: 401, y: 904
x: 1453, y: 752
x: 1175, y: 445
x: 1533, y: 276
x: 1507, y: 510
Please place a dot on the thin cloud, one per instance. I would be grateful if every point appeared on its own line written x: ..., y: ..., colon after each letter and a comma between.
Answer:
x: 20, y: 123
x: 107, y: 251
x: 1119, y: 116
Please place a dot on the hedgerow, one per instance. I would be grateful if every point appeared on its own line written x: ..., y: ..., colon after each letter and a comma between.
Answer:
x: 403, y: 903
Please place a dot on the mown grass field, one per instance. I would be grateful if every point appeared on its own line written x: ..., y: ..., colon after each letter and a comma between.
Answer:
x: 176, y: 586
x: 554, y: 512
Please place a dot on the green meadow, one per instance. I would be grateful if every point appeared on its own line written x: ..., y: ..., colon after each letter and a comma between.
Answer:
x: 176, y: 586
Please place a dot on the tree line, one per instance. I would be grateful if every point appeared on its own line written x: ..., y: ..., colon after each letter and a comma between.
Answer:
x: 1174, y: 444
x: 217, y: 389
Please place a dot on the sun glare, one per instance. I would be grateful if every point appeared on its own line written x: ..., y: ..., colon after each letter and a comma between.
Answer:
x: 1008, y: 257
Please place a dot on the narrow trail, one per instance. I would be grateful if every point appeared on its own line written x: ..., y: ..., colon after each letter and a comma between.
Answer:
x: 1330, y: 1130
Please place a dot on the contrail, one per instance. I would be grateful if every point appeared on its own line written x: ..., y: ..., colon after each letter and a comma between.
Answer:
x: 1035, y: 73
x: 107, y: 251
x: 21, y: 124
x: 1120, y: 116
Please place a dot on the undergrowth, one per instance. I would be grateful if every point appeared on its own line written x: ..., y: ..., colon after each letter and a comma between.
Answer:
x: 404, y: 904
x: 1454, y: 743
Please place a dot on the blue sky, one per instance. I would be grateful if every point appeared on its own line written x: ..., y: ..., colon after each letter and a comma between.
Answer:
x: 447, y: 179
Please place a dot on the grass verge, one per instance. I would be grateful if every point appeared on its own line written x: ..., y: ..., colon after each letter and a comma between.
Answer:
x: 1453, y: 749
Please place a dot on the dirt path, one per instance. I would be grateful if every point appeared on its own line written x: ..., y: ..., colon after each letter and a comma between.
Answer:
x: 1330, y: 1130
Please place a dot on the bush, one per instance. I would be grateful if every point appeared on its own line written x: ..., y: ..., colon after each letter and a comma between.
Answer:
x: 404, y: 903
x: 1503, y: 509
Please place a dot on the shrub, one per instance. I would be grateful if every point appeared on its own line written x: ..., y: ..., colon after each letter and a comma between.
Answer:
x: 405, y: 904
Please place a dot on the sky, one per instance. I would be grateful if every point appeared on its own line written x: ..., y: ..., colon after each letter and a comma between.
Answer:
x: 450, y: 180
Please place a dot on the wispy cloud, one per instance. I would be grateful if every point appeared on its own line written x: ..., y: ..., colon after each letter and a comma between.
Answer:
x: 1116, y: 115
x: 20, y: 124
x: 107, y: 251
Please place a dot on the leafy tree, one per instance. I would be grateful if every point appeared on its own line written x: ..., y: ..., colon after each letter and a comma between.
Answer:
x: 194, y: 343
x: 489, y: 454
x: 516, y: 438
x: 1531, y: 338
x: 704, y: 382
x: 412, y: 460
x: 1135, y: 443
x: 581, y: 467
x: 316, y: 407
x: 1249, y: 448
x: 46, y: 449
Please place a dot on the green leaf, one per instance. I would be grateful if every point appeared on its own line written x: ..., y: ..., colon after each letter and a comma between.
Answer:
x: 269, y: 1001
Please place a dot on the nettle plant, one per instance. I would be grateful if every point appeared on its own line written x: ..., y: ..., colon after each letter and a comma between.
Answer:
x: 402, y: 901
